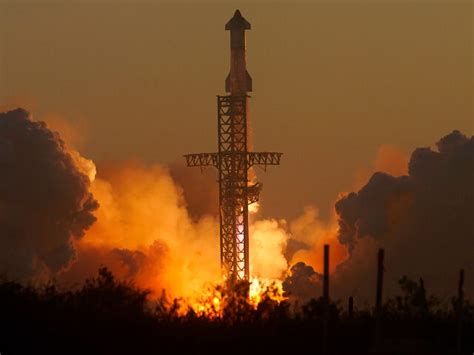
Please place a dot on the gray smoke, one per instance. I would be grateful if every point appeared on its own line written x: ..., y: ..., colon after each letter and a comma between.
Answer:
x: 45, y: 201
x: 425, y: 221
x: 302, y: 283
x: 133, y: 259
x: 200, y: 189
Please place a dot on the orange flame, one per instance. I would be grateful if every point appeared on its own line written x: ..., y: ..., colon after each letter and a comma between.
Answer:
x: 211, y: 303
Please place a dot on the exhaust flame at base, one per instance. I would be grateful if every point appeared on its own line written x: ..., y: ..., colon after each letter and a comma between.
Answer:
x: 212, y: 304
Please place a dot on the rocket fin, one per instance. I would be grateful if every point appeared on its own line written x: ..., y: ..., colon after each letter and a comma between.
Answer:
x: 248, y: 80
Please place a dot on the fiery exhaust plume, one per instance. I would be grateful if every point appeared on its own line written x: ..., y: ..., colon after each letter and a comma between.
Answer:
x: 143, y: 230
x: 145, y: 233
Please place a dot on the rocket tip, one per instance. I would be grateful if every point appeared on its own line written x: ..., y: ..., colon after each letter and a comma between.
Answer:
x: 237, y: 22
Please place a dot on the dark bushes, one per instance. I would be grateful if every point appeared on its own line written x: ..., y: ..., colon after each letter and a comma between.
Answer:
x: 106, y: 316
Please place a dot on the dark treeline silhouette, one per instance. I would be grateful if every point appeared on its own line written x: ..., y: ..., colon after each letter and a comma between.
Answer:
x: 107, y: 316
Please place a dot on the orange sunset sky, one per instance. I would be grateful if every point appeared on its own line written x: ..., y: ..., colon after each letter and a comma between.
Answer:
x: 333, y: 80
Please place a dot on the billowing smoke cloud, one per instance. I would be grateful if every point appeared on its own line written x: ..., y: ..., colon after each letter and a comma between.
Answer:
x: 314, y: 233
x: 302, y: 283
x: 268, y: 240
x: 45, y: 203
x: 158, y: 226
x: 144, y: 231
x: 309, y: 233
x: 200, y: 189
x: 424, y: 220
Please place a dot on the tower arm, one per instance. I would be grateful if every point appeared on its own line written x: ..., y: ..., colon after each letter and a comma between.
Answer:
x: 202, y: 159
x: 264, y: 158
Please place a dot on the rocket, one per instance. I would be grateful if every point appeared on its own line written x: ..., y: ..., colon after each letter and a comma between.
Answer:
x: 238, y: 82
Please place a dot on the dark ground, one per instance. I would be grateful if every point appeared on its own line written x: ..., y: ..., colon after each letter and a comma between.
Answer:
x: 109, y: 317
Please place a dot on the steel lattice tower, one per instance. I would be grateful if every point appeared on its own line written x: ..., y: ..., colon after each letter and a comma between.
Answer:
x: 233, y: 160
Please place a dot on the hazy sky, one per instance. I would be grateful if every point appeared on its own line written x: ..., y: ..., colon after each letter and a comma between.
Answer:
x: 333, y: 80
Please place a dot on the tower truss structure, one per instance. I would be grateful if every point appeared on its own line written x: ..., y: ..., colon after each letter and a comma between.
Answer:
x: 233, y: 160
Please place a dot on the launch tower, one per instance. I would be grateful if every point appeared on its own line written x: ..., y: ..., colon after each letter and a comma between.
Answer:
x: 233, y: 160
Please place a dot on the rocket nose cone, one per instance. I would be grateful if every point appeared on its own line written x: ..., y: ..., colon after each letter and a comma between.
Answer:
x: 237, y: 22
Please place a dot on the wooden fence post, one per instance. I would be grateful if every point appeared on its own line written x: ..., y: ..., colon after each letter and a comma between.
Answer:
x: 378, y: 297
x: 326, y: 300
x: 351, y: 307
x: 459, y: 311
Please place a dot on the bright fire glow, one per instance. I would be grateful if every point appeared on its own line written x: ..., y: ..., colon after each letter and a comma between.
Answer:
x: 254, y: 207
x: 265, y: 288
x: 213, y: 300
x: 144, y: 233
